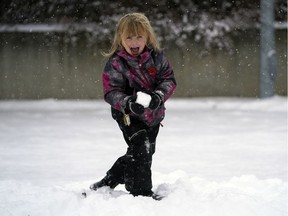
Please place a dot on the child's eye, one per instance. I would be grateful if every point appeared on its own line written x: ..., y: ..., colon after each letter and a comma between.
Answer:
x: 139, y: 36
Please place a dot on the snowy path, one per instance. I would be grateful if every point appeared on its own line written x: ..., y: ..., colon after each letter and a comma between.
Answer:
x: 214, y: 156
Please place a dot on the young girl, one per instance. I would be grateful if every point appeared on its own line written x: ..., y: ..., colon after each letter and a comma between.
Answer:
x: 137, y: 81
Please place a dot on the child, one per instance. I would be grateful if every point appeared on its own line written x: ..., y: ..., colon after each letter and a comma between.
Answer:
x: 137, y: 81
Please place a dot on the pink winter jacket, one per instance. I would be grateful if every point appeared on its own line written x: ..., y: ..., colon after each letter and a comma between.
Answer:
x: 125, y: 75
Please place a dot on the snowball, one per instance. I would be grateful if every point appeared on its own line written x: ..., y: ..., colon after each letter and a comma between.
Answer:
x: 143, y: 99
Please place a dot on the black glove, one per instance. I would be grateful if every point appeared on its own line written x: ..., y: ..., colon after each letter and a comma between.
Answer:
x: 134, y: 107
x: 156, y: 101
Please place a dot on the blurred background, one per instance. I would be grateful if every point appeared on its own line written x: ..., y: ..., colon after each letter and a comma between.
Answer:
x: 51, y: 49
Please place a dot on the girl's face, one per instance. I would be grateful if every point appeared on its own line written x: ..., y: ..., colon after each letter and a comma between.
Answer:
x: 134, y: 44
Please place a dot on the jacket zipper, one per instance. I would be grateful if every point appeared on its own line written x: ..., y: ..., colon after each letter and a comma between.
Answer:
x: 142, y: 73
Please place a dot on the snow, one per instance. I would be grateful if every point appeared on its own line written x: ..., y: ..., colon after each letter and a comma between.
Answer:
x: 47, y: 27
x: 143, y: 99
x: 214, y: 157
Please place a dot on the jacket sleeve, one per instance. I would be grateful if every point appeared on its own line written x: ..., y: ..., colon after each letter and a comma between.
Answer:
x: 114, y: 86
x: 166, y: 80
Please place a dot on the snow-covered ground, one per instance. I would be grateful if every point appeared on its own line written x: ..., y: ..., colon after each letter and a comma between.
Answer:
x: 214, y: 157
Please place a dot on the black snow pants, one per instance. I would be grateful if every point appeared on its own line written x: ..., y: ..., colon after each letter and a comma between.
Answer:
x: 134, y: 168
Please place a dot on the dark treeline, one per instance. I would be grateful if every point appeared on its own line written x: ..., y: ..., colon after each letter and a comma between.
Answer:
x: 209, y: 21
x: 43, y: 11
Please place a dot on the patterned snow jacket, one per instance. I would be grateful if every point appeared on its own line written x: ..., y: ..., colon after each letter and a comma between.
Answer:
x: 125, y: 75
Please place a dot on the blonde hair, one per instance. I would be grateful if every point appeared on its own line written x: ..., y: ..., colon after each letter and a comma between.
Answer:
x: 133, y: 24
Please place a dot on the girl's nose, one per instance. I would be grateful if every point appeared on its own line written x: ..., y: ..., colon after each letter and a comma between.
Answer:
x: 134, y: 41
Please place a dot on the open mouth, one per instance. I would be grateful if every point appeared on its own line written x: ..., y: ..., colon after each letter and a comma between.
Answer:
x: 134, y: 50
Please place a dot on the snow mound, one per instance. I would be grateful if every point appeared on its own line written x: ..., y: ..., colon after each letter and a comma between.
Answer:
x: 184, y: 195
x: 50, y: 151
